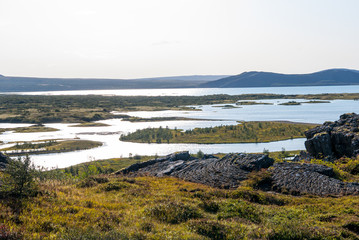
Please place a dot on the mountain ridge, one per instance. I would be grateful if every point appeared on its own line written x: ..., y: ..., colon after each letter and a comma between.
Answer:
x: 329, y: 77
x: 270, y: 79
x: 24, y: 84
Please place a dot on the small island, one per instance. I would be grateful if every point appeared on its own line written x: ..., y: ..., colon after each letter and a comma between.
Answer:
x: 291, y: 103
x: 50, y: 146
x: 246, y: 132
x: 32, y: 129
x: 227, y: 106
x: 252, y: 103
x: 90, y: 124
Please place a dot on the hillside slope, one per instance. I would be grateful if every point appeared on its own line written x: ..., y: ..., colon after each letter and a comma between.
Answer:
x: 23, y: 84
x: 269, y: 79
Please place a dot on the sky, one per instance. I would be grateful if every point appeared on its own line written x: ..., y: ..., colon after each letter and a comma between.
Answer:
x: 153, y: 38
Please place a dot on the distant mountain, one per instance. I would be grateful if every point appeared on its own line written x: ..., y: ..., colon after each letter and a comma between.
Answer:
x: 269, y: 79
x: 246, y: 79
x: 26, y: 84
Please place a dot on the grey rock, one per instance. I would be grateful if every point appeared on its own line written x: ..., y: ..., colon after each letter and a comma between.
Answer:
x: 226, y: 172
x: 309, y: 178
x: 335, y: 139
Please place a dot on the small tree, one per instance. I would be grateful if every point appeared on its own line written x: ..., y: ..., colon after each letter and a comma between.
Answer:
x: 18, y: 178
x: 265, y: 151
x: 200, y: 154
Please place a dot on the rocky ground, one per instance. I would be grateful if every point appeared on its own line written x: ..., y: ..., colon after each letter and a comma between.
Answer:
x: 232, y: 169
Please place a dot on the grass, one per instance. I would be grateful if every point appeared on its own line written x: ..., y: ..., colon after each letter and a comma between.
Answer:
x: 169, y: 208
x: 51, y: 146
x: 245, y: 132
x: 99, y: 206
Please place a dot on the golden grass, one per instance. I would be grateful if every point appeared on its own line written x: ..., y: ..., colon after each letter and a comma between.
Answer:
x: 137, y: 209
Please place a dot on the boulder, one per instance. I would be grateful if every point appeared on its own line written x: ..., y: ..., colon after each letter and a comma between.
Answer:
x: 314, y: 179
x: 229, y: 171
x: 335, y: 139
x: 226, y: 172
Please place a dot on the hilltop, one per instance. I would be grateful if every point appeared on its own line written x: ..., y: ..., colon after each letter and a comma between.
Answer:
x: 269, y: 79
x: 247, y: 79
x: 24, y: 84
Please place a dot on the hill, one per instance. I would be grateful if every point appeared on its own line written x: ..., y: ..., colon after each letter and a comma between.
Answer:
x: 23, y: 84
x: 269, y: 79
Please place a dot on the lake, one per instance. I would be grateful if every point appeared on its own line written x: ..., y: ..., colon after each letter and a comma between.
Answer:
x: 113, y: 148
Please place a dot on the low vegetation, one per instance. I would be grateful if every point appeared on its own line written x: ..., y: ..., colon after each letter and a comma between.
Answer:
x: 92, y: 205
x: 245, y: 132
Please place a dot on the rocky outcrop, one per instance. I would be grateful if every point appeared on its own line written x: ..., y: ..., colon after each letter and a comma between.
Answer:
x: 314, y: 179
x: 3, y: 160
x: 335, y: 139
x: 229, y: 171
x: 226, y: 172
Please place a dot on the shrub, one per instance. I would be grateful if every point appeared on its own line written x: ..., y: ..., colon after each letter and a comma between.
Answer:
x: 240, y: 209
x: 90, y: 234
x: 294, y: 230
x: 172, y: 212
x: 211, y: 229
x: 92, y: 181
x: 7, y: 234
x: 352, y: 226
x: 257, y: 197
x: 209, y: 206
x: 259, y: 180
x: 200, y: 154
x: 18, y: 179
x: 115, y: 186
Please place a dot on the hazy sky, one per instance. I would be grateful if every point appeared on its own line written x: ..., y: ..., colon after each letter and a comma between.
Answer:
x: 148, y: 38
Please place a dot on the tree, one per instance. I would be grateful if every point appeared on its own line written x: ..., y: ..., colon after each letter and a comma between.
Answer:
x: 200, y: 154
x: 18, y: 178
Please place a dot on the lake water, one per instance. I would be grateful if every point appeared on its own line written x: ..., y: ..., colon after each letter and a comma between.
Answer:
x: 113, y: 148
x: 202, y: 91
x: 306, y: 112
